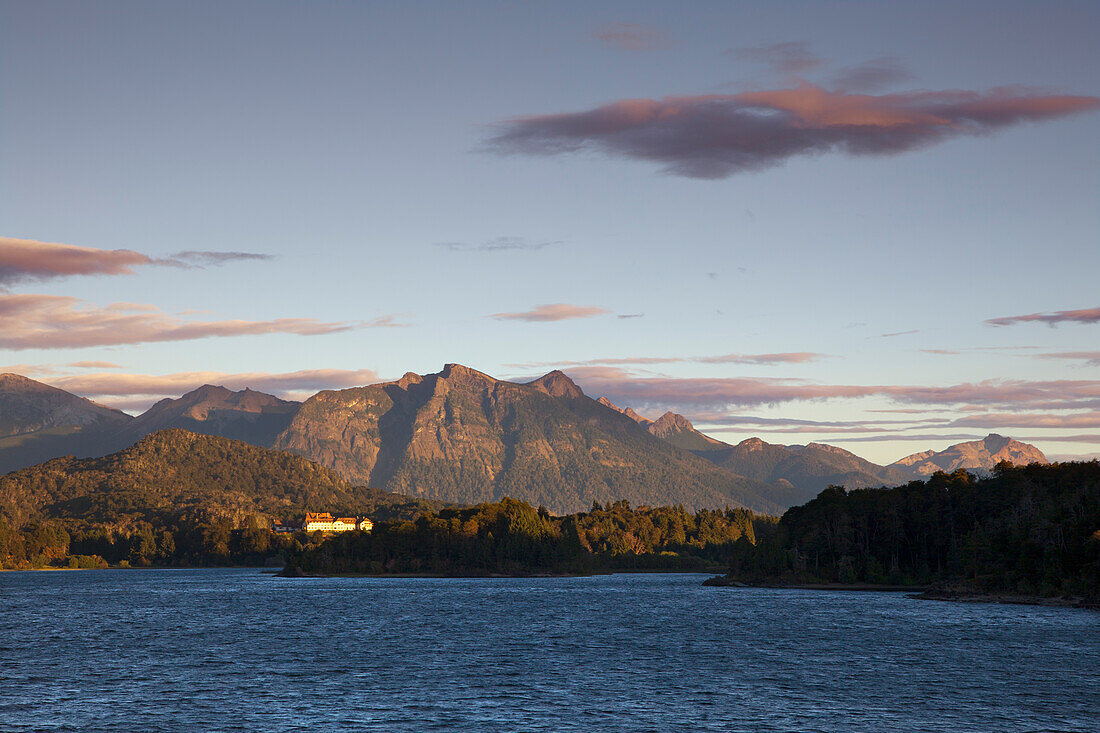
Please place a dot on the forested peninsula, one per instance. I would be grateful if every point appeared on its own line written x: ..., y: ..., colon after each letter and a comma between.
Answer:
x: 1022, y: 533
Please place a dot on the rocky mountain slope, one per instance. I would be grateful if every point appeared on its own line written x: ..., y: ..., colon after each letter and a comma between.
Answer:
x: 673, y: 428
x: 978, y: 455
x: 463, y: 436
x: 39, y: 422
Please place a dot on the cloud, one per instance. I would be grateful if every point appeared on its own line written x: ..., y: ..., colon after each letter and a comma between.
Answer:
x: 60, y: 322
x: 206, y: 258
x: 786, y: 58
x: 718, y: 135
x: 1064, y: 438
x: 27, y: 259
x: 632, y: 37
x: 132, y: 385
x: 1085, y: 315
x: 499, y: 244
x: 1091, y: 358
x: 871, y: 75
x: 923, y: 437
x: 631, y: 315
x: 684, y: 394
x: 552, y: 312
x: 94, y: 365
x: 1030, y: 420
x: 898, y: 333
x: 796, y: 357
x: 30, y: 260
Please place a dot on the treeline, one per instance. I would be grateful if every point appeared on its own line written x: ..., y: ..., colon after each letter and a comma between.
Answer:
x: 511, y: 537
x: 1031, y: 530
x: 184, y: 544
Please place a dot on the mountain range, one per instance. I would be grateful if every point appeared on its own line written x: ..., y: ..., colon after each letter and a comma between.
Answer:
x: 462, y: 436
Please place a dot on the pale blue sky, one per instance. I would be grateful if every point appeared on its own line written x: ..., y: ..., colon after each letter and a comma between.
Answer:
x: 348, y: 140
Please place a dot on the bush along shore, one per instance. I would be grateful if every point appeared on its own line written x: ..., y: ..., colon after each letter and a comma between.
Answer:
x: 511, y: 537
x: 1027, y: 534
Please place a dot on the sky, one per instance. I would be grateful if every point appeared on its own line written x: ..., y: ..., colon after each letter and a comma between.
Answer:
x: 868, y: 224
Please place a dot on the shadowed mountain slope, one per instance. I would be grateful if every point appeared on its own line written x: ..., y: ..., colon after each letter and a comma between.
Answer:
x: 175, y: 474
x: 810, y: 468
x: 247, y: 415
x: 463, y: 436
x: 39, y: 422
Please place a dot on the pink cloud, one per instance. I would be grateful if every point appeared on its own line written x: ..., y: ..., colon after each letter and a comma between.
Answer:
x: 686, y: 394
x: 94, y: 365
x: 59, y: 322
x: 142, y: 389
x: 716, y: 135
x: 1085, y: 315
x: 29, y: 259
x: 632, y: 37
x: 1092, y: 358
x: 552, y: 312
x: 795, y: 357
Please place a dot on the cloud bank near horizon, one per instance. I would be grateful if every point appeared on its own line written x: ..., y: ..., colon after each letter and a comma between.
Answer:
x: 715, y: 136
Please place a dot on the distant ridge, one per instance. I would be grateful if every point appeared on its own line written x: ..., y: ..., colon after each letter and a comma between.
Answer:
x: 247, y: 415
x: 978, y: 455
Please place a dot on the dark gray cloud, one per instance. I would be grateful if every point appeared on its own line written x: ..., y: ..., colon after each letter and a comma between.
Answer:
x: 718, y: 135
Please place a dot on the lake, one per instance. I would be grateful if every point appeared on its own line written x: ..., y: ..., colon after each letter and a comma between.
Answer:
x: 238, y: 650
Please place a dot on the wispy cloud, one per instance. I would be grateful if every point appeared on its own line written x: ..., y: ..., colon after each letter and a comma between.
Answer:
x: 1030, y: 420
x: 898, y: 333
x: 499, y: 244
x: 871, y: 75
x: 94, y: 365
x: 630, y: 315
x: 206, y: 258
x: 632, y: 37
x: 1091, y: 358
x: 59, y: 322
x: 129, y: 385
x: 30, y: 260
x: 790, y: 57
x: 716, y: 136
x: 552, y: 312
x: 791, y: 357
x: 1085, y: 315
x: 686, y: 394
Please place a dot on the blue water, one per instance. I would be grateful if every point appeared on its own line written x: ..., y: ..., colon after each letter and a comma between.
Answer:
x: 237, y: 650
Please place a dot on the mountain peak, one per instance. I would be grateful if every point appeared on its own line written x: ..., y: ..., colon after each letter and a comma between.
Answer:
x: 976, y: 455
x: 557, y: 384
